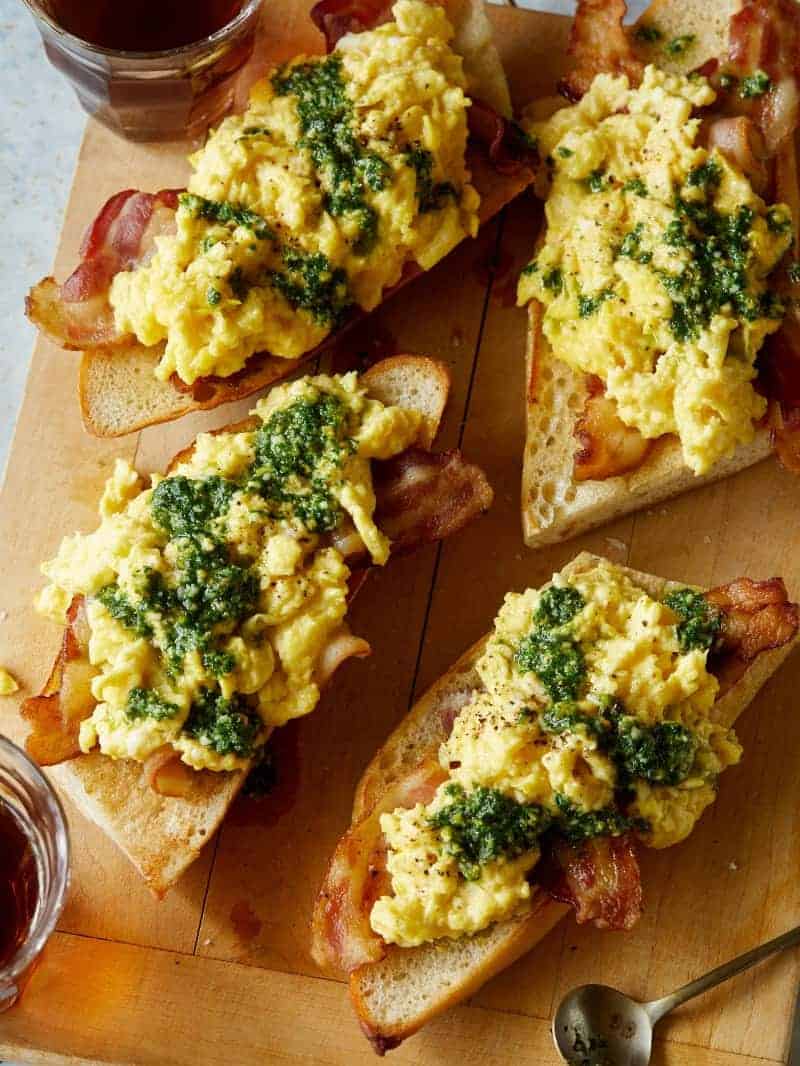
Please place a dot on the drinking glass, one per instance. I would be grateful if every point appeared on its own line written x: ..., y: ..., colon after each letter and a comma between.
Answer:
x: 30, y: 796
x: 152, y: 96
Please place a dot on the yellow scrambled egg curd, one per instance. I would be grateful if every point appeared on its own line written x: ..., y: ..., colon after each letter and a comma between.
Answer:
x: 212, y: 593
x: 343, y: 170
x: 595, y: 717
x: 654, y: 268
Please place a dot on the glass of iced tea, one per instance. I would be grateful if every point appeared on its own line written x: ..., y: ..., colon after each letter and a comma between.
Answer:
x: 149, y: 70
x: 34, y: 867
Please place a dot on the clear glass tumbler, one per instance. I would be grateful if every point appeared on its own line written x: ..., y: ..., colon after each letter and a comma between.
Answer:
x: 28, y: 796
x: 152, y: 96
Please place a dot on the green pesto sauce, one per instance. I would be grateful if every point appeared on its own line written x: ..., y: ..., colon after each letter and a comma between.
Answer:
x: 327, y: 123
x: 558, y: 605
x: 296, y: 450
x: 548, y: 650
x: 635, y: 185
x: 661, y: 754
x: 577, y: 825
x: 631, y: 246
x: 590, y: 305
x: 648, y: 34
x: 700, y: 621
x: 485, y: 824
x: 553, y: 280
x: 298, y: 444
x: 308, y: 281
x: 431, y: 195
x: 756, y: 84
x: 678, y: 45
x: 228, y: 727
x: 145, y: 703
x: 716, y: 273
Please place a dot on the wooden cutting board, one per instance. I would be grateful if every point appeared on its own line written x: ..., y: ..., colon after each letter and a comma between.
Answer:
x: 220, y: 970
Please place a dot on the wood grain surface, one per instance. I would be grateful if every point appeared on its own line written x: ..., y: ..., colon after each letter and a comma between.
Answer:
x: 220, y: 970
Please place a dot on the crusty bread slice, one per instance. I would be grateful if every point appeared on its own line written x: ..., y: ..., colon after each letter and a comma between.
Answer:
x: 161, y: 835
x: 393, y: 998
x: 555, y: 506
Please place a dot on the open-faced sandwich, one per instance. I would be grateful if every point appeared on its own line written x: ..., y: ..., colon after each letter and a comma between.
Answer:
x: 663, y: 313
x: 209, y: 606
x: 347, y: 175
x: 594, y: 720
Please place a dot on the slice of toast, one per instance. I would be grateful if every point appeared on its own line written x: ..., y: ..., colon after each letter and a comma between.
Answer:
x: 162, y: 835
x: 117, y: 389
x: 394, y: 997
x: 555, y: 505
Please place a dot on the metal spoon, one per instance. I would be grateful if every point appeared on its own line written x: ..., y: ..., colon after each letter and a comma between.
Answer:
x: 597, y: 1026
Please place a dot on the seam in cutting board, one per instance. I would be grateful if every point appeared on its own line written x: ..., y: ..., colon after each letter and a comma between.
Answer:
x: 493, y: 261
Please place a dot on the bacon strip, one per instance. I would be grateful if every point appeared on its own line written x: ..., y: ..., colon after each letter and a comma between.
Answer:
x: 341, y: 647
x: 424, y: 496
x: 757, y: 616
x: 599, y: 44
x: 342, y: 938
x: 600, y: 878
x: 336, y: 18
x: 608, y: 447
x: 765, y: 35
x: 78, y: 314
x: 66, y: 700
x: 508, y: 148
x: 167, y: 775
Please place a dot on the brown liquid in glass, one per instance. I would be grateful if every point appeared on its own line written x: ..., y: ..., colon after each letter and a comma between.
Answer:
x: 143, y: 25
x: 19, y: 885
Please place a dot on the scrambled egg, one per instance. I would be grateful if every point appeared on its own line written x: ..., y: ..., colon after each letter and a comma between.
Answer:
x: 343, y: 169
x: 521, y: 761
x: 654, y: 268
x: 212, y: 593
x: 8, y: 683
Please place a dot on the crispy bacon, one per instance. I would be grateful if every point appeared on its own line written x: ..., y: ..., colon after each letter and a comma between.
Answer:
x: 425, y: 496
x: 506, y: 144
x: 599, y: 45
x: 335, y: 18
x: 756, y: 616
x: 342, y: 938
x: 765, y: 35
x: 600, y: 878
x: 78, y: 314
x: 56, y: 714
x: 608, y: 447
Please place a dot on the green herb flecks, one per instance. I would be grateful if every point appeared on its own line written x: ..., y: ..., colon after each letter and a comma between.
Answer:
x: 328, y: 127
x: 637, y: 186
x: 146, y: 703
x: 647, y: 33
x: 301, y: 443
x: 700, y: 621
x: 228, y: 727
x: 484, y: 824
x: 226, y: 214
x: 756, y: 84
x: 679, y: 45
x: 431, y: 195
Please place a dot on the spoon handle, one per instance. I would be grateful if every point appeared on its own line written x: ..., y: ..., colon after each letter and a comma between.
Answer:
x: 659, y: 1007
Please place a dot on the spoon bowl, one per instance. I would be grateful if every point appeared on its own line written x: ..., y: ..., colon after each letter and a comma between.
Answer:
x: 598, y: 1026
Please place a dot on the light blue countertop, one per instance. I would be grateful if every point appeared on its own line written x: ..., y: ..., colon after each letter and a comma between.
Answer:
x: 40, y: 131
